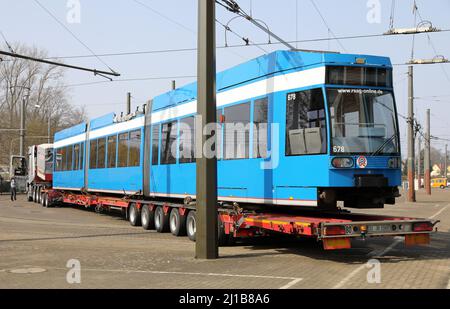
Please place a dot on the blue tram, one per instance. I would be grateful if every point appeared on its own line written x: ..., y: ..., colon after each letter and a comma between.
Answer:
x: 316, y: 128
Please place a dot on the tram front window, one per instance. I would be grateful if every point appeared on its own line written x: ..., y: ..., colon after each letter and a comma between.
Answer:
x: 363, y: 121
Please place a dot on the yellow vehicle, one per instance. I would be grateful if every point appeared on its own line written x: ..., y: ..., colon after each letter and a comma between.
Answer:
x: 439, y: 183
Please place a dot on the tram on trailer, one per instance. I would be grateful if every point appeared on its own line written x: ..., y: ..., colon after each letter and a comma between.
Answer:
x: 325, y: 122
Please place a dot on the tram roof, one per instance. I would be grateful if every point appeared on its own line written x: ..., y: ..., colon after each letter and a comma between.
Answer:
x: 265, y: 66
x: 276, y: 63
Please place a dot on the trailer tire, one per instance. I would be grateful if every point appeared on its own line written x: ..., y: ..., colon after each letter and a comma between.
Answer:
x: 133, y: 215
x: 38, y: 195
x: 35, y: 194
x: 147, y: 218
x: 161, y: 220
x: 177, y: 223
x: 191, y: 225
x: 44, y: 200
x: 30, y: 194
x: 222, y: 237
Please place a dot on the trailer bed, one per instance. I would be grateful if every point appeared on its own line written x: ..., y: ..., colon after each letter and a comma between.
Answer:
x: 335, y: 229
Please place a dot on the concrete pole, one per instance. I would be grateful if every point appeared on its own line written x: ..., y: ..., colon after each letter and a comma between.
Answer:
x: 427, y: 161
x: 206, y: 204
x: 419, y: 163
x: 49, y: 129
x: 411, y: 137
x: 128, y: 103
x: 22, y: 127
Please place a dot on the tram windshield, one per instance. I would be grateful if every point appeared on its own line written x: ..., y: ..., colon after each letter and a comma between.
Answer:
x: 363, y: 121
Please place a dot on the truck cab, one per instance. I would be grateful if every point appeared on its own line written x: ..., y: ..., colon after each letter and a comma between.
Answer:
x: 18, y: 170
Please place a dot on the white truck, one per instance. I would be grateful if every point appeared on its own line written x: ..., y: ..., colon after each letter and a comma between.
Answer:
x: 40, y: 170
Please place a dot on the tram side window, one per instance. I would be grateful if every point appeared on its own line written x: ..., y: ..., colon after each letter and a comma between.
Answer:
x: 59, y: 160
x: 81, y: 156
x: 237, y: 132
x: 63, y: 159
x: 112, y: 151
x: 101, y: 149
x: 76, y: 157
x: 134, y: 149
x: 93, y: 155
x: 305, y: 123
x: 69, y: 153
x: 187, y: 140
x: 260, y: 130
x: 155, y: 144
x: 123, y: 150
x: 168, y: 143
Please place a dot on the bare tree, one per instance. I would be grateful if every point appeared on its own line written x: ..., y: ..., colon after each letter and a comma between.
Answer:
x: 41, y: 85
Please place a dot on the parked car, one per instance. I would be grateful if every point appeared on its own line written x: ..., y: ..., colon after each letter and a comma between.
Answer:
x: 439, y: 183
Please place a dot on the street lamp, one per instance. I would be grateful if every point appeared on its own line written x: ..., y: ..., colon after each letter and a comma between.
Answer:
x: 49, y: 125
x: 22, y: 117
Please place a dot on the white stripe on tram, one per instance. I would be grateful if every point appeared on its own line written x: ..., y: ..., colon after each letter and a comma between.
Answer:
x: 265, y: 87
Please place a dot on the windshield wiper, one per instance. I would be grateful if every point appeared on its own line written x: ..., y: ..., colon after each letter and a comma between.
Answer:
x: 384, y: 145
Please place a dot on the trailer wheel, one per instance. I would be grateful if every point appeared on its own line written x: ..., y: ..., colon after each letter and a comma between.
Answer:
x: 133, y: 215
x: 191, y: 225
x: 44, y: 200
x: 34, y: 194
x: 161, y: 220
x: 177, y: 223
x: 30, y: 194
x: 38, y: 195
x: 147, y: 218
x: 222, y: 237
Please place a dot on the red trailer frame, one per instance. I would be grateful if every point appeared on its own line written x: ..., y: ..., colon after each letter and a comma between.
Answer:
x: 334, y: 229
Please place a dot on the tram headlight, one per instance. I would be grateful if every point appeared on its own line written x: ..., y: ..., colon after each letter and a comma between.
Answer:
x: 343, y: 162
x: 394, y: 163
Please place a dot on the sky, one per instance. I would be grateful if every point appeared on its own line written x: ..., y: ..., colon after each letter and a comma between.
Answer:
x: 154, y: 25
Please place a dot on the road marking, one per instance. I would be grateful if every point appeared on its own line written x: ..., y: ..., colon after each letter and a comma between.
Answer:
x: 293, y: 280
x: 398, y: 240
x: 350, y: 275
x: 341, y: 283
x: 292, y: 283
x: 439, y: 212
